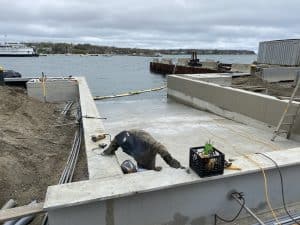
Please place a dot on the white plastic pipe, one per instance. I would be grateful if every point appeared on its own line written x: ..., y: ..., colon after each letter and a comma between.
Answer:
x: 9, y: 204
x: 27, y: 219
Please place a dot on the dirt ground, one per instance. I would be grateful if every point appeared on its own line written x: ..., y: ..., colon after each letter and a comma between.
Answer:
x: 255, y: 83
x: 35, y: 140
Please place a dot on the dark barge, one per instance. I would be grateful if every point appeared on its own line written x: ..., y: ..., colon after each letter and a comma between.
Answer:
x: 188, y: 66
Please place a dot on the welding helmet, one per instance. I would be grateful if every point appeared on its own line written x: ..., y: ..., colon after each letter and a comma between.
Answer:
x: 128, y: 167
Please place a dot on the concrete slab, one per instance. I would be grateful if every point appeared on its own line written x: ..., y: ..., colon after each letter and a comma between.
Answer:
x: 180, y: 127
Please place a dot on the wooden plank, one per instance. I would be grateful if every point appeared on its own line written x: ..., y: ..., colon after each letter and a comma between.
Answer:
x: 18, y: 212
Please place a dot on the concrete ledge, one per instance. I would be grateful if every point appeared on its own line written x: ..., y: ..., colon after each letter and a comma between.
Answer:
x: 229, y: 102
x: 88, y: 191
x: 98, y: 167
x: 153, y: 199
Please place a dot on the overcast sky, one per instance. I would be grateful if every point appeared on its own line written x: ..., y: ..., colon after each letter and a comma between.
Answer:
x: 224, y: 24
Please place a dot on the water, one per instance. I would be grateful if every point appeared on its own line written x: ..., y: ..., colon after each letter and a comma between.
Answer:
x: 105, y: 75
x: 113, y: 75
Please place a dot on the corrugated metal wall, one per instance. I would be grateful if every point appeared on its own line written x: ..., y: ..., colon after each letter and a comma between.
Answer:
x: 280, y: 52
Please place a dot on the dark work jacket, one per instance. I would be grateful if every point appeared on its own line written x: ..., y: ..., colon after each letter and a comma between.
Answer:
x: 141, y: 146
x: 131, y: 144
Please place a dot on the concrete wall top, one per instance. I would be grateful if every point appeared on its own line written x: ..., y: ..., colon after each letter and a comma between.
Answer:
x: 72, y: 194
x: 212, y: 75
x: 218, y: 78
x: 98, y: 167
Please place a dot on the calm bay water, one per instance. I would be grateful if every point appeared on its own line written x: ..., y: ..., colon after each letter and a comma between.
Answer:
x: 105, y: 75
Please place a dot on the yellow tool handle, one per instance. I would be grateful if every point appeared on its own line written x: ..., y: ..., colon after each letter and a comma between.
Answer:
x: 233, y: 168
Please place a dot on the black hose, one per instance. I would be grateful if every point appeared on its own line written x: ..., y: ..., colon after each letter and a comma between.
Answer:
x: 282, y: 187
x: 235, y: 217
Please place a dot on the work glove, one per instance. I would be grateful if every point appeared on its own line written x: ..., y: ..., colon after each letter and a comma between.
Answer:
x: 175, y: 164
x: 172, y: 162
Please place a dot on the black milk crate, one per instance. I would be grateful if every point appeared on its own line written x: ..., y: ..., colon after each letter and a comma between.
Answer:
x: 207, y: 166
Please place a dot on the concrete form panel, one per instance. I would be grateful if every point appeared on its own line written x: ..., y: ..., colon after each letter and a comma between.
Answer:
x: 53, y: 90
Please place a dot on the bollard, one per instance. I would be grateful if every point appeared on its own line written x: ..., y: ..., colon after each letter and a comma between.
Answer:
x: 1, y: 76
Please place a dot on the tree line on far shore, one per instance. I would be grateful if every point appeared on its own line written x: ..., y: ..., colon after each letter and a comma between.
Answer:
x: 67, y: 48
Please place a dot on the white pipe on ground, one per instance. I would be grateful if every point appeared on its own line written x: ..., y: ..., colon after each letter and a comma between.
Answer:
x: 9, y: 204
x: 27, y: 219
x: 11, y: 222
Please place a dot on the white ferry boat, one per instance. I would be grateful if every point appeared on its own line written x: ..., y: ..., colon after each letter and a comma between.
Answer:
x: 8, y: 49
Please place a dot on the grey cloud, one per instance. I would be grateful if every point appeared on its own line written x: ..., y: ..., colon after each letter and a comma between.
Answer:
x: 152, y: 24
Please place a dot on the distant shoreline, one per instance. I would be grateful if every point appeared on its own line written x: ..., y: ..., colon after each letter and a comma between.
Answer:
x: 88, y: 49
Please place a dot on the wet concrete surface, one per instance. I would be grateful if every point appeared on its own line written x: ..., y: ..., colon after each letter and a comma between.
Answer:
x: 180, y: 127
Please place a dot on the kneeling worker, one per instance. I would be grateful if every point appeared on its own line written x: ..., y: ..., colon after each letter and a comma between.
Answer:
x: 143, y: 148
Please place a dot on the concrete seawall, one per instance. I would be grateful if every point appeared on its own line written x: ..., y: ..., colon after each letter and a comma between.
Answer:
x: 172, y: 196
x: 240, y: 105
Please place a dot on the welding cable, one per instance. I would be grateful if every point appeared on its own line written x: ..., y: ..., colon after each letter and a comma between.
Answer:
x: 282, y: 186
x: 266, y: 188
x: 216, y: 217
